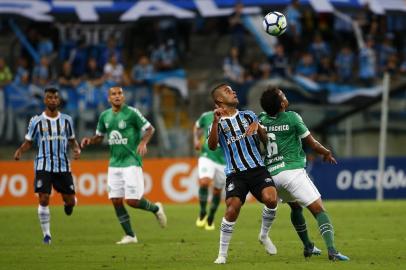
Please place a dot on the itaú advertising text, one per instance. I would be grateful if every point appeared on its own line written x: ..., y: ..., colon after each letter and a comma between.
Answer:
x: 166, y: 180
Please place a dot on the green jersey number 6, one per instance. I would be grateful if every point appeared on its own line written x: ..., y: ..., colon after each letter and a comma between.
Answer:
x: 271, y: 146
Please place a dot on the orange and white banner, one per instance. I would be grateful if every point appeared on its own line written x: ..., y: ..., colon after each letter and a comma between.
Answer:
x: 166, y: 180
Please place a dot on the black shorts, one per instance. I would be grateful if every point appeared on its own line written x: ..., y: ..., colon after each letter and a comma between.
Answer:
x: 254, y: 180
x: 62, y: 182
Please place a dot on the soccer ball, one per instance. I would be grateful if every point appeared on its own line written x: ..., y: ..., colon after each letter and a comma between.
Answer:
x: 274, y: 23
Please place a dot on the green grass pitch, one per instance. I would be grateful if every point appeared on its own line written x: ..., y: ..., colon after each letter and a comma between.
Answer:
x: 372, y: 234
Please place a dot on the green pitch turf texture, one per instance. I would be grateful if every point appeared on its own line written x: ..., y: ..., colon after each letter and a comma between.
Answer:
x: 372, y: 234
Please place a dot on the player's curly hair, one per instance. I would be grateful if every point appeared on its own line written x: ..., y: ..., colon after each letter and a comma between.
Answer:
x: 270, y: 100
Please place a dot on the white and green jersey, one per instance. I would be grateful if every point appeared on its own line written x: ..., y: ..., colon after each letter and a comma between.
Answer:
x: 124, y: 131
x: 284, y: 146
x: 204, y: 122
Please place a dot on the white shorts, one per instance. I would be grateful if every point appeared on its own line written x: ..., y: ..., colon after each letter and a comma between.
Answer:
x: 210, y: 169
x: 296, y: 186
x: 126, y: 182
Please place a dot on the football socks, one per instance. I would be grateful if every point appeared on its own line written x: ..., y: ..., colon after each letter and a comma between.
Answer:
x: 299, y: 222
x: 326, y: 230
x: 124, y: 220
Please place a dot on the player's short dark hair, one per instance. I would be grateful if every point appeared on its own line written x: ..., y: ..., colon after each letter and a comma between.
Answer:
x: 214, y: 90
x: 270, y: 100
x: 51, y: 89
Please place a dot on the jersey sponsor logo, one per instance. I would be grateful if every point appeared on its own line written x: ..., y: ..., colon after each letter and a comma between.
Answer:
x: 244, y: 123
x: 226, y: 129
x: 278, y: 128
x: 276, y: 159
x: 117, y: 138
x: 233, y: 139
x: 51, y: 138
x: 106, y: 125
x: 274, y: 168
x: 122, y: 124
x: 235, y: 126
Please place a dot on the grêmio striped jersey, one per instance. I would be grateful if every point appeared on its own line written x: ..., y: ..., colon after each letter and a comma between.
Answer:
x: 51, y: 135
x: 241, y: 152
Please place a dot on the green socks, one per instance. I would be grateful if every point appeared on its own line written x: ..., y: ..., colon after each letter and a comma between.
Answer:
x: 147, y: 205
x: 299, y: 222
x: 203, y: 194
x: 326, y: 229
x: 215, y: 201
x: 124, y: 220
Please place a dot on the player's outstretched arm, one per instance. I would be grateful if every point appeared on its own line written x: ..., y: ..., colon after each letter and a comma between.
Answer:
x: 96, y: 139
x: 320, y: 149
x: 142, y: 146
x: 25, y: 146
x: 75, y: 147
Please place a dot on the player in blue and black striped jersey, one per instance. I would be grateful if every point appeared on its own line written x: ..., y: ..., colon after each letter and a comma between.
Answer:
x: 53, y: 133
x: 236, y: 132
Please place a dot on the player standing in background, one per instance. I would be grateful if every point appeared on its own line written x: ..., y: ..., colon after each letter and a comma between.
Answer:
x: 236, y: 131
x: 211, y: 166
x: 128, y: 135
x: 286, y: 161
x: 52, y: 132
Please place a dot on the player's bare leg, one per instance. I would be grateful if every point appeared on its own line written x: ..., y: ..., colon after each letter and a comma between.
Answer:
x: 233, y: 205
x: 326, y: 230
x: 44, y: 216
x: 269, y: 198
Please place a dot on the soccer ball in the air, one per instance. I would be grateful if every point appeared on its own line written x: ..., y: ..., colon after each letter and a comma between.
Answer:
x: 274, y: 23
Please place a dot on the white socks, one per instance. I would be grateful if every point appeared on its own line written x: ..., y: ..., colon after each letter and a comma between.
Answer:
x: 44, y: 219
x: 268, y: 216
x: 226, y: 232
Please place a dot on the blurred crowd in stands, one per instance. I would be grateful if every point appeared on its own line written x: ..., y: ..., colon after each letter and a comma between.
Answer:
x: 317, y: 47
x: 323, y: 48
x: 83, y: 71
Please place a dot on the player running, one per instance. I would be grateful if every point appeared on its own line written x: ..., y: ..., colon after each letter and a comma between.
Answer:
x: 235, y: 131
x: 285, y: 160
x: 128, y: 134
x: 211, y: 166
x: 52, y: 132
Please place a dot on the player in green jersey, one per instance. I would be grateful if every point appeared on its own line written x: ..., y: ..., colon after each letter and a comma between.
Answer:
x: 128, y: 134
x: 211, y: 165
x: 283, y: 131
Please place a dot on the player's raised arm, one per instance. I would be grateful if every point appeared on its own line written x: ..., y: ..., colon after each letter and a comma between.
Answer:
x: 320, y: 149
x: 25, y: 146
x: 262, y: 134
x: 197, y: 134
x: 213, y: 139
x: 142, y: 146
x: 96, y: 139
